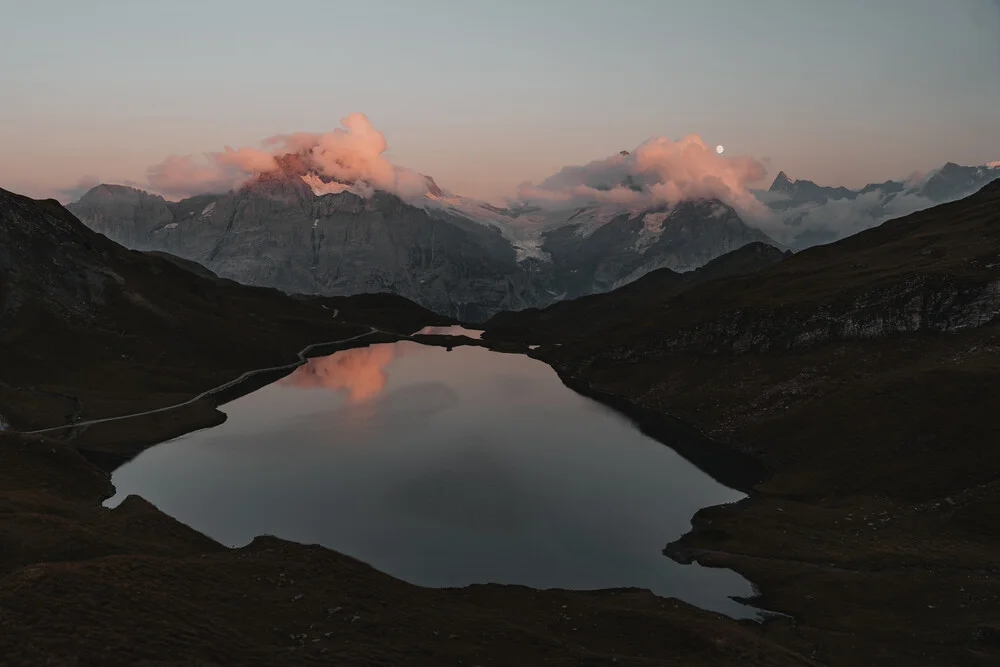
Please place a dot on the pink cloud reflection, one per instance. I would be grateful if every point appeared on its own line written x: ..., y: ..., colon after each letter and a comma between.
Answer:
x: 359, y: 372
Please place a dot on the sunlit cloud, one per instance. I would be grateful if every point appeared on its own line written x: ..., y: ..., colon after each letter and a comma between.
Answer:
x: 352, y: 154
x: 659, y: 171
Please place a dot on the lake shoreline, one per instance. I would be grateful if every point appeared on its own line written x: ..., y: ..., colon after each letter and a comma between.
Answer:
x: 728, y: 466
x: 523, y: 434
x: 776, y: 552
x: 858, y: 571
x: 303, y: 602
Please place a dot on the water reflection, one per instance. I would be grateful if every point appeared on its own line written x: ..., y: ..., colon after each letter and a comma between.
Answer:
x: 454, y: 330
x: 360, y: 371
x: 444, y: 469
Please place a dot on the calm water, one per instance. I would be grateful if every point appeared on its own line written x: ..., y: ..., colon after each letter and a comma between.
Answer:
x: 443, y: 469
x: 453, y: 330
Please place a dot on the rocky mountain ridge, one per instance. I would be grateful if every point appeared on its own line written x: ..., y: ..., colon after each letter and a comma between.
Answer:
x: 808, y: 214
x: 290, y: 231
x: 952, y: 181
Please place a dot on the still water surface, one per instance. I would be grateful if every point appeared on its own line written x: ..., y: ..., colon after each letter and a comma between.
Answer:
x: 444, y: 469
x: 452, y: 330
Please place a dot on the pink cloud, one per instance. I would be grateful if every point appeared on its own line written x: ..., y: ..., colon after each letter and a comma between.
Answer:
x: 350, y: 154
x: 246, y: 160
x: 658, y: 171
x: 185, y: 175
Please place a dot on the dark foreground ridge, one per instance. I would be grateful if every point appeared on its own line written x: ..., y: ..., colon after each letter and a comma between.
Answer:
x: 90, y: 330
x: 864, y: 374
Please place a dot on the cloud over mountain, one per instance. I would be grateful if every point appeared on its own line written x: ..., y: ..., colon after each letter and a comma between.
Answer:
x: 659, y: 171
x: 348, y: 154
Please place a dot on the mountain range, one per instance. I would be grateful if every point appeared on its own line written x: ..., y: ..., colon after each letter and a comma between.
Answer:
x: 304, y: 233
x: 811, y: 214
x: 459, y: 257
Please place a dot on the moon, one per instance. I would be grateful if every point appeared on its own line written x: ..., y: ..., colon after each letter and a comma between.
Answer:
x: 719, y: 149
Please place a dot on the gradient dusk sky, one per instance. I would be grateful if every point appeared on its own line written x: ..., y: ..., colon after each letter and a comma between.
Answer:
x: 484, y: 95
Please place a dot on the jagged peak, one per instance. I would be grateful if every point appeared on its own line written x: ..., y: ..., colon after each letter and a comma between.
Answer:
x: 781, y: 182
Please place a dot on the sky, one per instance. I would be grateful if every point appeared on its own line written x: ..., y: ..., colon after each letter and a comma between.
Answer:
x: 484, y: 96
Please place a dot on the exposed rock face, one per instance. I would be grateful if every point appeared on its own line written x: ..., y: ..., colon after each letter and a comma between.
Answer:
x: 275, y: 231
x: 782, y: 183
x: 953, y: 181
x: 126, y: 215
x: 683, y: 238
